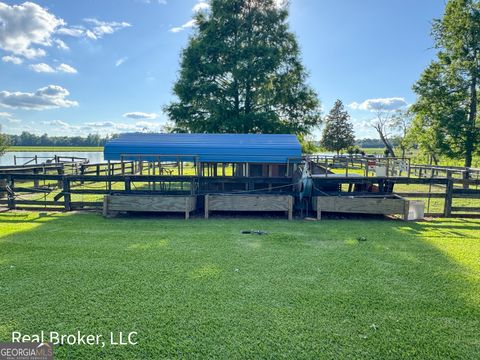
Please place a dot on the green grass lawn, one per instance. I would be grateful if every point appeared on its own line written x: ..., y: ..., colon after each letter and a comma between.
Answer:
x: 56, y: 148
x: 305, y: 290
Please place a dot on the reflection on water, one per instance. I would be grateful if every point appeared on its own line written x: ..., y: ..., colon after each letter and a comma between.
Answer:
x: 7, y: 158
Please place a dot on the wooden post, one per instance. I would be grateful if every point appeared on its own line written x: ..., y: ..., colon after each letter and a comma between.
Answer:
x: 11, y: 194
x: 109, y: 174
x: 67, y: 196
x: 466, y: 176
x: 406, y: 210
x: 60, y: 172
x: 35, y: 180
x: 319, y: 211
x: 290, y: 208
x: 3, y: 185
x: 206, y: 207
x: 447, y: 211
x: 128, y: 184
x: 105, y: 206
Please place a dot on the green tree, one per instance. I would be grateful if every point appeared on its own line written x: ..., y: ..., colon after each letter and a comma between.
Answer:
x: 3, y: 142
x: 241, y: 73
x: 446, y: 108
x: 338, y: 132
x: 402, y: 123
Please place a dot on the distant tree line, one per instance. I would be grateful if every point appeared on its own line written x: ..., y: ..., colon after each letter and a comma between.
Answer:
x: 29, y: 139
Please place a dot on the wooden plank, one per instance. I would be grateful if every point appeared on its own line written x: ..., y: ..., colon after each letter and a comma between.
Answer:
x: 158, y: 203
x: 361, y: 205
x: 235, y: 202
x: 466, y: 208
x: 421, y: 195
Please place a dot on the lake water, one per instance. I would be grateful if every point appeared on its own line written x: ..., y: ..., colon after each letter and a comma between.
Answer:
x: 7, y: 158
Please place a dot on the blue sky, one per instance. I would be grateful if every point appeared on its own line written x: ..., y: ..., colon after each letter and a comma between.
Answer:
x: 107, y: 66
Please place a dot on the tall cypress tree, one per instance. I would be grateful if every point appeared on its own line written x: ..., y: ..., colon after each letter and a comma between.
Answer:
x: 241, y: 73
x: 338, y: 132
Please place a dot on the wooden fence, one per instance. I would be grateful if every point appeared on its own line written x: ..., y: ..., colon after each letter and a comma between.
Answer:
x: 66, y: 191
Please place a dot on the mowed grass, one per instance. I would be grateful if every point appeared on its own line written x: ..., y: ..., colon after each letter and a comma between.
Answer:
x: 201, y: 289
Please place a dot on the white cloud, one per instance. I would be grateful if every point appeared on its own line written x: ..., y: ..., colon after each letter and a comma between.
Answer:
x: 140, y: 115
x: 96, y: 29
x: 42, y: 68
x: 187, y: 25
x: 386, y: 104
x: 66, y: 69
x: 120, y: 61
x: 102, y: 124
x: 12, y: 59
x: 61, y: 44
x: 109, y: 127
x: 201, y: 5
x: 161, y: 2
x: 59, y: 123
x: 51, y: 96
x: 101, y: 28
x: 9, y: 118
x: 74, y: 31
x: 45, y: 68
x: 25, y: 27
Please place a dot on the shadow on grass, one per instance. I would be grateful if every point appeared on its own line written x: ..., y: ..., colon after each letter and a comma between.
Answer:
x: 201, y: 289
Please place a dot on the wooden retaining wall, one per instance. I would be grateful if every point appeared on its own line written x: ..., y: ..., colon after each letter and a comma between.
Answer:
x: 249, y: 202
x: 361, y: 205
x: 113, y: 204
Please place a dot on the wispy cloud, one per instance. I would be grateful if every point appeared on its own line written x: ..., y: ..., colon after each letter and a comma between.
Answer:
x: 42, y: 68
x: 201, y: 5
x: 12, y: 59
x: 187, y: 25
x: 66, y: 69
x: 120, y: 61
x: 140, y: 115
x: 45, y: 68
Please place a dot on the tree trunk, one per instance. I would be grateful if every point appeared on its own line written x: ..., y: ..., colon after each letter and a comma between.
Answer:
x: 472, y: 115
x: 386, y: 143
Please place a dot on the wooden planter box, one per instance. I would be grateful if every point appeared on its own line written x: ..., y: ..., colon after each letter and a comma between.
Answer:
x: 248, y: 202
x: 384, y: 205
x: 113, y: 204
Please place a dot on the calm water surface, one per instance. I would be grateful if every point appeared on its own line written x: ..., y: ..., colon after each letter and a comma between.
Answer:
x: 7, y: 158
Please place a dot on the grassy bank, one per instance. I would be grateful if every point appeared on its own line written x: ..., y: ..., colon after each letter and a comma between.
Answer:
x: 305, y: 290
x: 55, y: 148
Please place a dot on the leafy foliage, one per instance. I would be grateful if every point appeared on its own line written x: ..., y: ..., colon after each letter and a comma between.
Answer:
x: 446, y: 109
x: 338, y: 133
x: 242, y: 73
x: 3, y: 143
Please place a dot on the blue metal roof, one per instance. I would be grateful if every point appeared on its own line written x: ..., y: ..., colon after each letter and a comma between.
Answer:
x: 255, y: 148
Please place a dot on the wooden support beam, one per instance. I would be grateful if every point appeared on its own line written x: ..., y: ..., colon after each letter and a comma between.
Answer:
x: 447, y: 211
